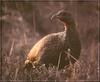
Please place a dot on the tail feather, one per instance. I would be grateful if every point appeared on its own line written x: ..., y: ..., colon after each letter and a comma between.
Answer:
x: 28, y: 65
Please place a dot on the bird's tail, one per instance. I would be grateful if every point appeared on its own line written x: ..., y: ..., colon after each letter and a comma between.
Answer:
x: 28, y: 65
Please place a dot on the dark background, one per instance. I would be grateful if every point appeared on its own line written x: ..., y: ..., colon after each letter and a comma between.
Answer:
x: 24, y: 22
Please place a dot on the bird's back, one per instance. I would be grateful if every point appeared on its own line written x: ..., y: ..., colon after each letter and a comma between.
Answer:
x: 48, y: 48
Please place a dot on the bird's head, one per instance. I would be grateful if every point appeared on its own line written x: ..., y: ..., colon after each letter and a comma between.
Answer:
x: 63, y: 16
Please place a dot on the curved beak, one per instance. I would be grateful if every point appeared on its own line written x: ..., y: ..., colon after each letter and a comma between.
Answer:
x: 54, y: 17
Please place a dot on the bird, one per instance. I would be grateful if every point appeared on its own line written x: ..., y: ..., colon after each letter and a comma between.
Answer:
x: 48, y: 49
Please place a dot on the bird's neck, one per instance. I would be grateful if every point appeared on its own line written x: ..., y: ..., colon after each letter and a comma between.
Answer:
x: 71, y: 33
x: 70, y: 28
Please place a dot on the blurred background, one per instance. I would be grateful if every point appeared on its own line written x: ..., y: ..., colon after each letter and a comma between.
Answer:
x: 24, y: 22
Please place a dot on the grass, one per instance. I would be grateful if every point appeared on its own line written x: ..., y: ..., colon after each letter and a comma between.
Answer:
x: 79, y: 71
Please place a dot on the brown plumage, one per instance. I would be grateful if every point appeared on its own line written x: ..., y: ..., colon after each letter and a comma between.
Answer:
x: 47, y: 50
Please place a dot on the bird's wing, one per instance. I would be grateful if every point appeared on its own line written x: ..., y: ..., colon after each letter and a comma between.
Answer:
x: 48, y: 43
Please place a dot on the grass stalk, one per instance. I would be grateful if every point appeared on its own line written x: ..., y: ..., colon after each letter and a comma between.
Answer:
x: 12, y: 46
